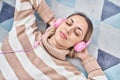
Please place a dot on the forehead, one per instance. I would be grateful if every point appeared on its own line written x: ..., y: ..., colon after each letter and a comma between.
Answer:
x: 79, y: 21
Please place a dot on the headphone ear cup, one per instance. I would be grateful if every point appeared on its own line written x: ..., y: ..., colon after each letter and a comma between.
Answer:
x: 58, y: 22
x: 80, y: 46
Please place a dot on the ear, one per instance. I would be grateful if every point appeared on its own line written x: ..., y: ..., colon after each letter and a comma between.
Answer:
x: 58, y: 22
x: 81, y: 46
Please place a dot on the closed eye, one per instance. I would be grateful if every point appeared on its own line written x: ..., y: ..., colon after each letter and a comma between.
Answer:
x: 69, y: 22
x: 78, y: 32
x: 72, y: 21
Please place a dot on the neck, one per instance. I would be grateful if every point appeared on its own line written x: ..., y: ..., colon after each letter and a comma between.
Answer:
x: 54, y: 43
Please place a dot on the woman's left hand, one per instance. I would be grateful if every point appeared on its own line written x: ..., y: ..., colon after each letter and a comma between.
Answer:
x: 83, y: 55
x: 52, y: 21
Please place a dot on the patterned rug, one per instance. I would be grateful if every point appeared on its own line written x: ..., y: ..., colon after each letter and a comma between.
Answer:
x: 105, y: 15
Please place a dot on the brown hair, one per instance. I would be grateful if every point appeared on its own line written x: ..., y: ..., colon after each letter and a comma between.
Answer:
x: 90, y: 25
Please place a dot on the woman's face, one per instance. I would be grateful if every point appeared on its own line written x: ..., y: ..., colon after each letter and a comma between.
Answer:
x: 71, y: 31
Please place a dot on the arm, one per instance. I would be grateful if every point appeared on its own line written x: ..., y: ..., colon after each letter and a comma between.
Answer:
x: 43, y: 10
x: 24, y: 18
x: 24, y: 9
x: 91, y: 65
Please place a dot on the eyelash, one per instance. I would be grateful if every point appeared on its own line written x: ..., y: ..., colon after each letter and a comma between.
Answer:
x: 76, y: 33
x: 68, y: 23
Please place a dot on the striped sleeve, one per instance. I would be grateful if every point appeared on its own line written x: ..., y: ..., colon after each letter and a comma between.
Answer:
x: 43, y: 9
x: 17, y: 65
x: 93, y: 69
x: 25, y: 8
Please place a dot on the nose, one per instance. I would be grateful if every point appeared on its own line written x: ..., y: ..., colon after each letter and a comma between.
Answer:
x: 70, y: 29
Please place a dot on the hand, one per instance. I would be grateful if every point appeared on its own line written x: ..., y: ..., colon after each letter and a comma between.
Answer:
x: 51, y: 22
x: 83, y: 55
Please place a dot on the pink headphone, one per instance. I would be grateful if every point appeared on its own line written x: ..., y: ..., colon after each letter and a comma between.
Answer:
x: 79, y: 46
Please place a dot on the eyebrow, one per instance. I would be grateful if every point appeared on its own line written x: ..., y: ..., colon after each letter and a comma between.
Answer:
x: 77, y: 26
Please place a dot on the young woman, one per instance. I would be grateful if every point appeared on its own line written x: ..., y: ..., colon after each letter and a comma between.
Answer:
x: 27, y: 54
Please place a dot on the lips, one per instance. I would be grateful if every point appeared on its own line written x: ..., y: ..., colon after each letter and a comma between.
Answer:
x: 62, y: 34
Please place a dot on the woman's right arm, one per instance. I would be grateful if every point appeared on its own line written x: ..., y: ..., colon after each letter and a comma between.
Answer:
x: 43, y: 10
x: 24, y: 9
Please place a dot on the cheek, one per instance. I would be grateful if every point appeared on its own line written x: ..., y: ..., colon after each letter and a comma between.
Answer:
x: 57, y: 33
x: 65, y: 43
x: 74, y: 40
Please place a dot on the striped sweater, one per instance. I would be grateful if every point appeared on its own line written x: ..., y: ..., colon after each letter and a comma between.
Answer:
x: 42, y: 62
